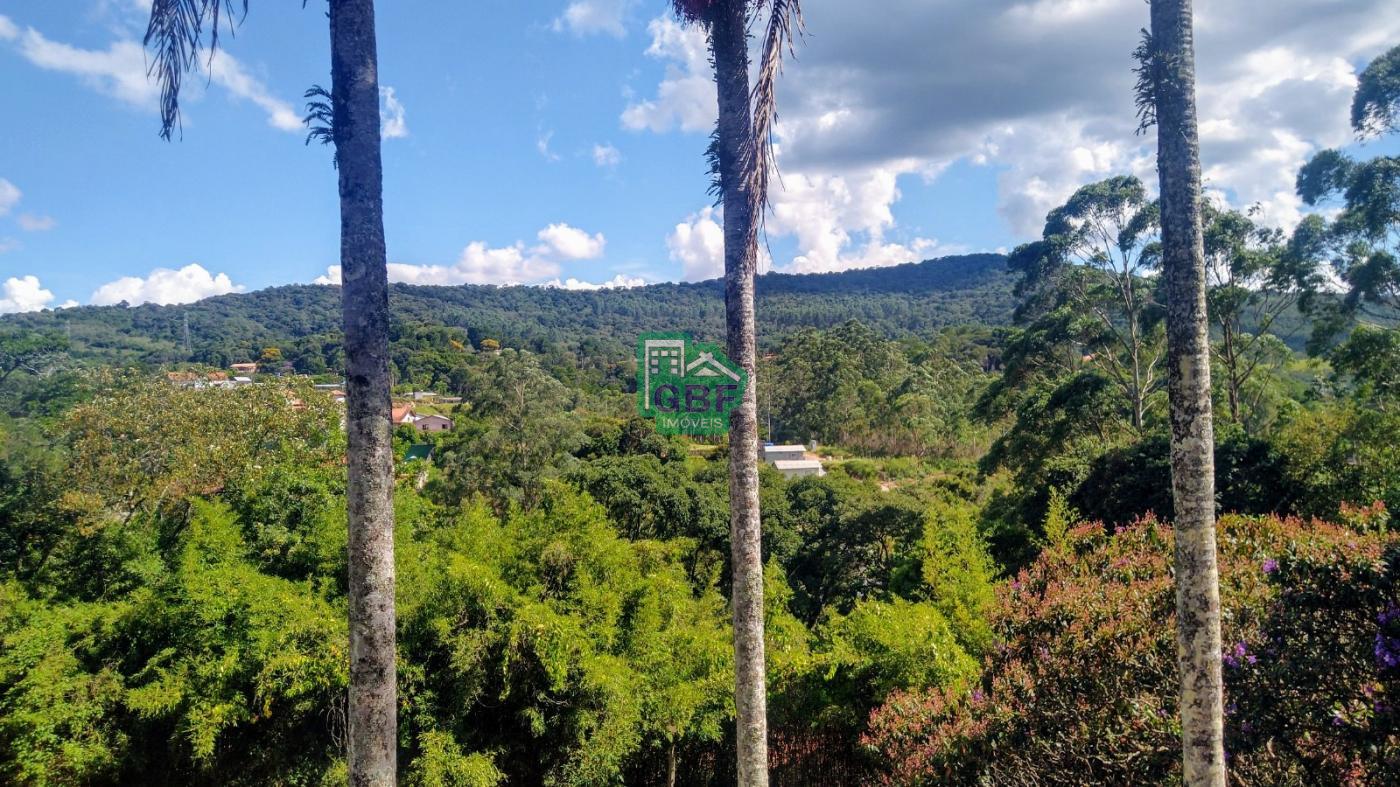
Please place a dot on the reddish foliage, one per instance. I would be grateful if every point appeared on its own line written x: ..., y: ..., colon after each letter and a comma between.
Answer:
x: 1083, y: 687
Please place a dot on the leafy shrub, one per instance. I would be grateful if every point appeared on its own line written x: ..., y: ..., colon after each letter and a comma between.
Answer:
x: 1343, y: 454
x: 1083, y: 687
x: 1127, y: 483
x: 958, y: 573
x: 863, y: 469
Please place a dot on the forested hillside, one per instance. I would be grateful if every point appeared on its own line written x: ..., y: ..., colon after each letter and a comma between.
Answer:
x: 1117, y: 507
x: 301, y: 319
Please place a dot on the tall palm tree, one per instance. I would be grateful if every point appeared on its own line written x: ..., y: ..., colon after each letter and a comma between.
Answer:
x: 742, y: 156
x: 176, y: 32
x: 1167, y: 94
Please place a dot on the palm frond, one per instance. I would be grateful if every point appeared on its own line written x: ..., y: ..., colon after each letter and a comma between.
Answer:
x: 320, y: 117
x: 1149, y: 76
x: 785, y: 26
x: 175, y: 33
x: 716, y: 189
x: 692, y: 10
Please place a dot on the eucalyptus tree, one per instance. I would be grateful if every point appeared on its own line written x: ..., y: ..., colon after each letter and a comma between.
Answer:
x: 1255, y: 276
x: 1375, y: 107
x: 32, y: 352
x: 350, y: 120
x: 1167, y: 96
x: 1363, y: 239
x: 741, y: 156
x: 1090, y: 273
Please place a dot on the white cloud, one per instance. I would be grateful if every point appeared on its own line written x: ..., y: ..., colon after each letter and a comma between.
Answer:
x: 584, y: 17
x: 9, y: 196
x: 840, y: 221
x: 620, y: 281
x: 230, y: 74
x: 8, y: 245
x: 120, y: 71
x: 570, y: 243
x: 513, y: 264
x: 542, y: 145
x: 698, y: 245
x: 605, y: 155
x: 23, y: 294
x: 479, y: 264
x: 685, y: 99
x: 163, y: 285
x: 392, y: 124
x: 33, y: 222
x: 892, y: 91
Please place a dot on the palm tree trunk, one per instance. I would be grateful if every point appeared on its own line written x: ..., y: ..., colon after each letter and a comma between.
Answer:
x: 365, y: 312
x: 729, y: 44
x: 1188, y: 384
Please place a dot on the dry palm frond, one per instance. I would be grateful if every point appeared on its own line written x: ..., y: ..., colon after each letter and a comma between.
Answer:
x: 1149, y: 77
x: 784, y: 28
x: 176, y: 33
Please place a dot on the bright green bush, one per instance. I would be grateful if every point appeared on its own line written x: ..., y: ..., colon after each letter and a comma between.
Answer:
x: 210, y: 668
x: 958, y: 573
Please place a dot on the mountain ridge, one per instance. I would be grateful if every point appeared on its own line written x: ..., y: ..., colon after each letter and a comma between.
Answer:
x: 912, y: 298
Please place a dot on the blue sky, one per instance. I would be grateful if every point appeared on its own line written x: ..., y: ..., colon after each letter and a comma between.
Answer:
x: 558, y: 140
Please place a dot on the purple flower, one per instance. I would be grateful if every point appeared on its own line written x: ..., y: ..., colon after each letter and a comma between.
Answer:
x: 1270, y: 566
x: 1387, y: 651
x: 1387, y: 644
x: 1240, y: 652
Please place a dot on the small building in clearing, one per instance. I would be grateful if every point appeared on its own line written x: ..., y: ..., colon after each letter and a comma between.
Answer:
x: 433, y: 423
x: 402, y: 414
x: 244, y: 368
x: 792, y: 461
x: 780, y: 453
x: 799, y: 468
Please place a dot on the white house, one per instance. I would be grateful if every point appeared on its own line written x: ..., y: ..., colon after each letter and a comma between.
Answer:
x: 798, y: 468
x: 433, y: 423
x: 776, y: 453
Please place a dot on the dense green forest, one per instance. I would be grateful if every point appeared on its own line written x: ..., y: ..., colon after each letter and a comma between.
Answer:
x: 979, y: 589
x: 990, y: 532
x: 304, y: 320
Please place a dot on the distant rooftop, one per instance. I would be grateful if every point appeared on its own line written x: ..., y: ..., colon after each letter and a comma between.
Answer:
x: 798, y: 464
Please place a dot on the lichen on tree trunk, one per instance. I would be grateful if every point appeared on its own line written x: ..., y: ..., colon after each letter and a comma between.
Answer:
x: 372, y: 707
x: 1188, y: 385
